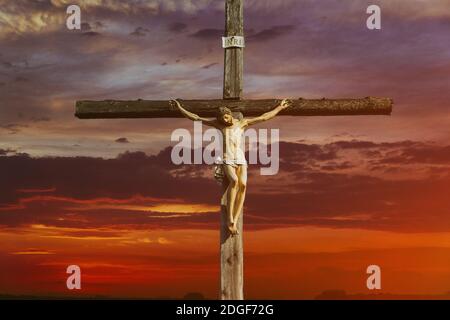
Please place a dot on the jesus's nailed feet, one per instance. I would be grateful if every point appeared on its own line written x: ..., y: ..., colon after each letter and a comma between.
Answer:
x: 233, y: 229
x: 236, y: 231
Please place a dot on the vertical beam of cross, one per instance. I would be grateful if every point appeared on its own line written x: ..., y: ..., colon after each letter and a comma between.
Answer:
x: 231, y: 248
x: 234, y: 57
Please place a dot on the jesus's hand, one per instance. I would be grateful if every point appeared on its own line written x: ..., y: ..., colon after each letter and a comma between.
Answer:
x: 285, y: 103
x: 177, y: 103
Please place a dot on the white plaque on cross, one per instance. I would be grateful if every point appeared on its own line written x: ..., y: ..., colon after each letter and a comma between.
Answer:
x: 233, y: 42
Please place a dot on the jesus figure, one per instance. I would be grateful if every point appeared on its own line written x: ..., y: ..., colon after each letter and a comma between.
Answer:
x: 234, y: 163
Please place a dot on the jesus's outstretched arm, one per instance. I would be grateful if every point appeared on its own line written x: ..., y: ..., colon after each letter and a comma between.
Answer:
x: 269, y: 115
x: 192, y: 116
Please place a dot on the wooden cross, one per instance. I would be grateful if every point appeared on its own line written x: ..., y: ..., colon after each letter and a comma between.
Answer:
x: 231, y: 251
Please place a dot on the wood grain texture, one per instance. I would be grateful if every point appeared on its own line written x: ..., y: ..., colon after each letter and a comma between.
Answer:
x: 113, y: 109
x: 234, y: 57
x: 231, y: 247
x: 231, y: 256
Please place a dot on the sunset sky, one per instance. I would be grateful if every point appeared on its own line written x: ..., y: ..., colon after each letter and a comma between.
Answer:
x: 104, y: 194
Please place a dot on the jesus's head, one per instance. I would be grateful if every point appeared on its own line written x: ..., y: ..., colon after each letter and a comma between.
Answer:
x: 225, y: 116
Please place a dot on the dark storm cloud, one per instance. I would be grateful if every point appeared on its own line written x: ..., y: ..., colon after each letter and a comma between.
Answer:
x: 4, y: 152
x: 297, y: 156
x: 210, y: 65
x: 314, y: 187
x: 271, y: 33
x: 7, y: 64
x: 80, y: 177
x: 91, y: 34
x: 355, y: 144
x: 177, y: 27
x: 421, y: 154
x: 122, y: 140
x: 13, y: 128
x: 140, y: 32
x: 85, y: 26
x: 208, y: 34
x: 40, y: 119
x: 332, y: 166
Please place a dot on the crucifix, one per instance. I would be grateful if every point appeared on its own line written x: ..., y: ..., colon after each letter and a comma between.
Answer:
x: 231, y: 245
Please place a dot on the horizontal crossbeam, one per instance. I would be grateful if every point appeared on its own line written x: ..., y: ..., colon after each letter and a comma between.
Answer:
x: 114, y: 109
